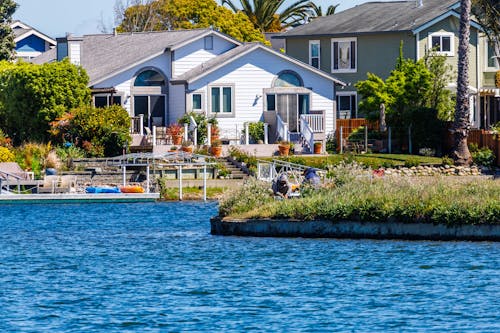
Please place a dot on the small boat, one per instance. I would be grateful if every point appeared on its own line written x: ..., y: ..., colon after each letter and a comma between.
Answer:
x: 102, y: 189
x: 131, y: 189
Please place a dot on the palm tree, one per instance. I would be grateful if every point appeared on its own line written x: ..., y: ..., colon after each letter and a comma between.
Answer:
x: 487, y: 13
x: 461, y: 125
x: 317, y: 11
x: 265, y: 16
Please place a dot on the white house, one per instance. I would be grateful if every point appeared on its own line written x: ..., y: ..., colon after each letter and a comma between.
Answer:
x: 164, y: 75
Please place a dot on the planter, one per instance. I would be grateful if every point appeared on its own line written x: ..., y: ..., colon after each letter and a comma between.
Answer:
x: 216, y: 151
x: 176, y: 139
x: 213, y: 138
x: 317, y: 147
x: 188, y: 149
x: 284, y: 150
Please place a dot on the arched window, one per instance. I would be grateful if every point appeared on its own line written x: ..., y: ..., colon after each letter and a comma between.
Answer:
x: 149, y: 78
x: 288, y: 79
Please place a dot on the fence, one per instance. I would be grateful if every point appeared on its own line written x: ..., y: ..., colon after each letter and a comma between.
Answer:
x: 346, y: 126
x: 486, y: 139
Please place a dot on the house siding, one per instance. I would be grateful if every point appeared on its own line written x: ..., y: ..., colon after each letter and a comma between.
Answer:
x: 31, y: 44
x: 177, y: 102
x: 256, y: 71
x: 451, y: 25
x: 194, y: 54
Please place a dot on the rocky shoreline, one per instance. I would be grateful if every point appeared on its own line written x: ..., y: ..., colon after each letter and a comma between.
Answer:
x: 444, y: 170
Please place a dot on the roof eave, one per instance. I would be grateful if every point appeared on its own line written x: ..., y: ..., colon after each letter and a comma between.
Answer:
x: 440, y: 18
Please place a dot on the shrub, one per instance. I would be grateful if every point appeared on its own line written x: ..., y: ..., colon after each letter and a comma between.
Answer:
x: 256, y: 131
x: 426, y: 151
x: 68, y: 153
x: 483, y: 157
x: 252, y: 194
x: 331, y: 144
x: 201, y: 121
x: 6, y: 155
x: 446, y: 160
x: 412, y: 162
x: 346, y: 172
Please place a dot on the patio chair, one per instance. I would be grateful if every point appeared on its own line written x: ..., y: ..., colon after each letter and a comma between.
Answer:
x: 67, y: 185
x: 49, y: 185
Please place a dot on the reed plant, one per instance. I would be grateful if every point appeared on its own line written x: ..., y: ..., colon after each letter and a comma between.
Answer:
x: 443, y: 200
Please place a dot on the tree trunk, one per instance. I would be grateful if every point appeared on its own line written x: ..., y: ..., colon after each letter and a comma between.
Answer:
x: 461, y: 125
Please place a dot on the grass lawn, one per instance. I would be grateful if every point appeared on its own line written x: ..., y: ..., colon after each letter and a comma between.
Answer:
x: 372, y: 160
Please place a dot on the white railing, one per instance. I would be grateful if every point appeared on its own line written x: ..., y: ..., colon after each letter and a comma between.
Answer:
x: 307, y: 132
x: 135, y: 125
x: 282, y: 129
x: 316, y: 122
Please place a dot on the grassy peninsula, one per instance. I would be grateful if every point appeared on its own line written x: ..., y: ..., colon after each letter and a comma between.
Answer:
x: 442, y: 200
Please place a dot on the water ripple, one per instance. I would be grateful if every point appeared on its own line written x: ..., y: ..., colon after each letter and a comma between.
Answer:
x: 155, y: 267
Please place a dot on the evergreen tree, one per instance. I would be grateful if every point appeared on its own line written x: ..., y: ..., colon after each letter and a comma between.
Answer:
x: 7, y: 44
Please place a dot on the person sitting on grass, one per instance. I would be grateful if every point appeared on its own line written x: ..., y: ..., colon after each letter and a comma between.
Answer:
x: 281, y: 187
x: 311, y: 178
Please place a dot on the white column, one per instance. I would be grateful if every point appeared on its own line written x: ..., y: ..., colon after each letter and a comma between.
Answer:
x: 124, y: 175
x: 341, y: 140
x: 266, y: 133
x: 147, y: 178
x: 154, y: 136
x: 141, y: 124
x: 185, y: 132
x: 209, y: 134
x: 180, y: 182
x: 204, y: 182
x: 247, y: 135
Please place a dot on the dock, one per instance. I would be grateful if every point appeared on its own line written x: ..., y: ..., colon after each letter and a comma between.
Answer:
x: 64, y: 198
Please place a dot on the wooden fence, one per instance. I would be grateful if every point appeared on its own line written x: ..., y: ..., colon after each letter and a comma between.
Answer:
x: 349, y: 125
x: 486, y: 139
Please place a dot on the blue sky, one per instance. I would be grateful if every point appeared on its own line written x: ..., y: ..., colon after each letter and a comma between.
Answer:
x: 57, y: 17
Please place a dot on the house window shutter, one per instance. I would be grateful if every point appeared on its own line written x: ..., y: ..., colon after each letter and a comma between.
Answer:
x: 353, y: 54
x: 335, y: 55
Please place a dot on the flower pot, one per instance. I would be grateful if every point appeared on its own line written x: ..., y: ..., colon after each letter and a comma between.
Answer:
x: 188, y: 149
x: 284, y: 150
x: 176, y: 139
x: 317, y: 148
x: 216, y: 151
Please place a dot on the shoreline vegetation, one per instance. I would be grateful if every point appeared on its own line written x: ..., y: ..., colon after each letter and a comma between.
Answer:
x: 352, y: 195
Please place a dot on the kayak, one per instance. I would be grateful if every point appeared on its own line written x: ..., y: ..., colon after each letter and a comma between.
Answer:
x: 102, y: 189
x: 131, y: 189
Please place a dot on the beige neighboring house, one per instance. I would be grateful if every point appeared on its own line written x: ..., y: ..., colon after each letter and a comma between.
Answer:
x: 366, y: 38
x: 30, y: 43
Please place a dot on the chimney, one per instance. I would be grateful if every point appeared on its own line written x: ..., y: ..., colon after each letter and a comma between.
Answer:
x: 69, y: 47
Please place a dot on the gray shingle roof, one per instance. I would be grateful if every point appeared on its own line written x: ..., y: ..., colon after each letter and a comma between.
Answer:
x: 19, y: 31
x: 236, y: 53
x: 372, y: 17
x: 48, y: 56
x: 103, y: 55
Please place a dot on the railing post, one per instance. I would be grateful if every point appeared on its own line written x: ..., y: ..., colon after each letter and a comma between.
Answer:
x: 141, y: 124
x: 180, y: 182
x: 209, y: 134
x: 266, y: 133
x: 204, y: 182
x: 154, y: 136
x: 341, y: 139
x: 389, y: 143
x: 247, y: 135
x: 366, y: 138
x: 195, y: 137
x: 186, y: 133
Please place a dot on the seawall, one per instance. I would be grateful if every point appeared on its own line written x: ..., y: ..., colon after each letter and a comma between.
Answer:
x: 353, y: 229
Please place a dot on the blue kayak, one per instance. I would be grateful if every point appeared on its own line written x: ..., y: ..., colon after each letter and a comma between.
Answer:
x: 102, y: 189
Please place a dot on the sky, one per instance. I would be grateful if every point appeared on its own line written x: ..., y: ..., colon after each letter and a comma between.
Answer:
x: 55, y: 18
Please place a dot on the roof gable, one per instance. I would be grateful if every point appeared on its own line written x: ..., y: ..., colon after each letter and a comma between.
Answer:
x: 22, y: 31
x: 237, y: 53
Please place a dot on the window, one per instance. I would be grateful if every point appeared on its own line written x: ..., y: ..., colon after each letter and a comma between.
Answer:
x: 288, y: 79
x: 197, y: 102
x: 442, y: 43
x: 221, y: 99
x: 105, y: 100
x: 491, y: 62
x: 314, y: 53
x: 209, y: 42
x: 271, y: 102
x: 344, y: 53
x: 346, y: 105
x: 149, y: 78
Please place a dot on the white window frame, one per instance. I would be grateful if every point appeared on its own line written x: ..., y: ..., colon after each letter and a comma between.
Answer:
x: 221, y: 114
x: 311, y: 43
x: 190, y: 101
x: 486, y: 66
x: 345, y: 70
x: 450, y: 53
x: 350, y: 94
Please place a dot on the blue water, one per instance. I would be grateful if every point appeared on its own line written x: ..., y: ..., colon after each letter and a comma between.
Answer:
x: 156, y: 268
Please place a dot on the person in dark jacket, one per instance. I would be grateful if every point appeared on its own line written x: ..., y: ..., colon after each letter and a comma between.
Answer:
x: 281, y: 186
x: 311, y: 177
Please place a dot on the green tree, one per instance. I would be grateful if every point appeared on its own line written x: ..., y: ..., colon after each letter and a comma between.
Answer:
x: 7, y: 44
x: 160, y: 15
x: 270, y: 16
x: 31, y: 96
x: 414, y: 95
x: 487, y: 13
x: 461, y: 124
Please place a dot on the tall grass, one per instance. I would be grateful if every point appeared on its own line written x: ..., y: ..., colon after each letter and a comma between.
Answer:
x: 443, y: 200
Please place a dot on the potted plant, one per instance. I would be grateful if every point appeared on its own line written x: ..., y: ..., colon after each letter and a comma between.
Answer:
x: 284, y: 148
x: 216, y: 148
x: 214, y: 133
x: 173, y: 148
x: 175, y: 131
x: 187, y: 146
x: 318, y: 147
